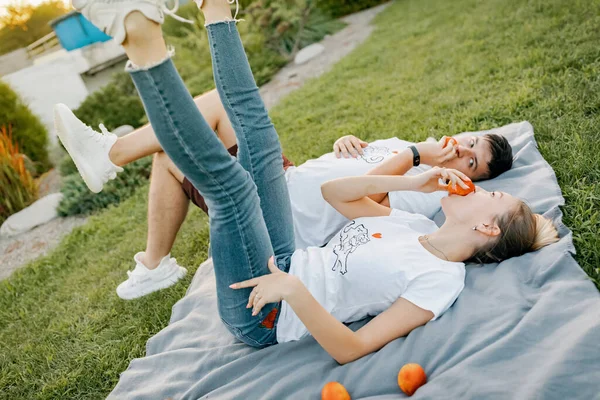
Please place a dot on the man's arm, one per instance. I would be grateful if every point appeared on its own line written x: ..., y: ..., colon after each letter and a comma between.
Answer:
x: 432, y: 153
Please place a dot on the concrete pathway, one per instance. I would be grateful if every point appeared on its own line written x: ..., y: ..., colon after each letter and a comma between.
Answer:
x: 337, y: 46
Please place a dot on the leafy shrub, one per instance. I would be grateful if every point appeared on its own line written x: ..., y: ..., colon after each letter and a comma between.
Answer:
x: 339, y: 8
x: 114, y: 105
x: 18, y: 189
x: 289, y: 25
x: 29, y: 133
x: 66, y: 166
x: 79, y: 200
x: 192, y: 57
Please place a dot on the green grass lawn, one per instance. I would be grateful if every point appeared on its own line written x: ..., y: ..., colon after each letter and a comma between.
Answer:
x: 432, y: 67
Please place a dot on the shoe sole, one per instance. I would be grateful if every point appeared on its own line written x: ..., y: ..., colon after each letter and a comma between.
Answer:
x: 82, y: 167
x: 163, y: 284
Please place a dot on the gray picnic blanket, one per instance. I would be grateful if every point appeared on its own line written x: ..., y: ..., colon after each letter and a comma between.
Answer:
x: 528, y: 328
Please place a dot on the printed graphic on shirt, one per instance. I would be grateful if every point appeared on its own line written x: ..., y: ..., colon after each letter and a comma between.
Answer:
x: 351, y: 237
x: 374, y: 154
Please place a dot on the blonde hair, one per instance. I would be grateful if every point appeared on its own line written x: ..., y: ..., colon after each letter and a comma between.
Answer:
x: 545, y: 232
x: 521, y: 231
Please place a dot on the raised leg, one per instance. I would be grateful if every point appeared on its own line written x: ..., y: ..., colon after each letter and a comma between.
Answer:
x: 143, y: 142
x: 240, y: 240
x: 258, y: 143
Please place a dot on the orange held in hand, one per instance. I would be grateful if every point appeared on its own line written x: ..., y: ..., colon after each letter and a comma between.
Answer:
x: 410, y: 378
x: 450, y: 139
x: 459, y: 190
x: 334, y: 391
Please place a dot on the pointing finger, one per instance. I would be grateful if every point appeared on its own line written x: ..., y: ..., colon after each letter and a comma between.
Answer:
x: 245, y: 284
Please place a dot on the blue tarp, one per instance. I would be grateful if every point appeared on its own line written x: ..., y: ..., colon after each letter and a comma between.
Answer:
x: 74, y: 31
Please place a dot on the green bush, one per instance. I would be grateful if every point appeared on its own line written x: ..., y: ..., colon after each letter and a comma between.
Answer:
x: 339, y: 8
x: 29, y: 133
x: 114, y: 105
x: 66, y: 166
x: 288, y: 26
x: 79, y: 200
x: 192, y: 56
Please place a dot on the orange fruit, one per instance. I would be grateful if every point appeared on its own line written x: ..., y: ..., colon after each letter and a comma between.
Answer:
x: 334, y: 391
x: 450, y: 139
x: 411, y: 377
x: 459, y: 190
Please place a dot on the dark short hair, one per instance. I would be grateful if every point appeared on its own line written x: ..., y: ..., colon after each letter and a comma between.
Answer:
x: 502, y: 157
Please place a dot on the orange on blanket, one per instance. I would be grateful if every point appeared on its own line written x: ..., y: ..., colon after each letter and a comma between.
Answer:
x: 334, y: 391
x: 411, y: 377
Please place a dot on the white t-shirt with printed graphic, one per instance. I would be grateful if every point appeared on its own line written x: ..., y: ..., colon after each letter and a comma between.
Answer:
x: 367, y: 266
x: 315, y: 221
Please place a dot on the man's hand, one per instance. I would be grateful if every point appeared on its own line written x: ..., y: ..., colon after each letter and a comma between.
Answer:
x: 434, y: 154
x: 349, y: 145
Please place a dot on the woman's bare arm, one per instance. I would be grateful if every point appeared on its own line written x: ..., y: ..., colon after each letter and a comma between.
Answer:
x: 350, y: 196
x: 345, y: 345
x: 396, y: 165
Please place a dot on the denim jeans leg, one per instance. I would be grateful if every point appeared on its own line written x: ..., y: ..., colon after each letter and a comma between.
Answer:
x: 240, y: 241
x: 259, y: 150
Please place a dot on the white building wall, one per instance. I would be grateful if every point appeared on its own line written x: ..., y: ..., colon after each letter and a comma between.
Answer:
x: 56, y: 78
x: 42, y: 86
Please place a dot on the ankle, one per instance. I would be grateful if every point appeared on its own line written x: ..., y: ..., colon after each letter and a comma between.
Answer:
x: 115, y: 155
x: 151, y: 262
x: 144, y: 43
x: 216, y: 11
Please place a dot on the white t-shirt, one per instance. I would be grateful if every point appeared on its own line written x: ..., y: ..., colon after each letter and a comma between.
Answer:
x: 367, y: 266
x: 315, y: 221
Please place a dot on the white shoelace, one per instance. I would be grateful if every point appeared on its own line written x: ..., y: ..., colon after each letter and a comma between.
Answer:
x: 135, y: 279
x: 98, y: 136
x: 172, y: 11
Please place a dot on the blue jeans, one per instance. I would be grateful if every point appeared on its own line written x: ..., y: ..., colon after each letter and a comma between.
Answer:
x: 248, y: 201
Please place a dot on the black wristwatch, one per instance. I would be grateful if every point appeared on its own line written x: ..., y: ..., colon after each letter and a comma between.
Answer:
x: 416, y: 156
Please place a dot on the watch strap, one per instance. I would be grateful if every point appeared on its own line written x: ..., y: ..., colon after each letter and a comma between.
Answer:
x: 416, y: 156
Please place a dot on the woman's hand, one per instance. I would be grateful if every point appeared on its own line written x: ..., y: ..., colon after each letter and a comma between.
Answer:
x: 349, y: 145
x: 271, y: 288
x: 437, y: 179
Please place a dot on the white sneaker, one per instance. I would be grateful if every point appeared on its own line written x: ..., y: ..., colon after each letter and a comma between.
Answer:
x: 88, y: 148
x: 143, y: 281
x: 109, y: 15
